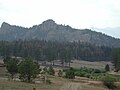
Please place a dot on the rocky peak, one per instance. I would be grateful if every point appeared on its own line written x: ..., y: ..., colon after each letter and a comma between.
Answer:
x: 49, y: 30
x: 49, y: 24
x: 5, y: 26
x: 49, y: 21
x: 45, y: 26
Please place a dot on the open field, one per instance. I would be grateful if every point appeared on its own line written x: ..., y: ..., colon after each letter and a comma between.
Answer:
x: 82, y: 63
x: 79, y: 83
x: 88, y: 64
x: 57, y: 84
x: 79, y: 86
x: 96, y: 64
x: 15, y: 85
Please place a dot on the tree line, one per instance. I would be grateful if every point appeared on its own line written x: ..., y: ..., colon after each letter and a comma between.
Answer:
x: 53, y: 50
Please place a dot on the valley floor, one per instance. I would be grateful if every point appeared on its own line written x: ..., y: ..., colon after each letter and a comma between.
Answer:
x: 58, y: 83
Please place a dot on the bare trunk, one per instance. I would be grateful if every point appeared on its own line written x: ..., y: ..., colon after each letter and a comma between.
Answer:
x: 69, y: 63
x: 29, y: 78
x: 53, y: 62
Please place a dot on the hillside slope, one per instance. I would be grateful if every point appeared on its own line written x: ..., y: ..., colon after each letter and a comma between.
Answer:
x: 49, y: 30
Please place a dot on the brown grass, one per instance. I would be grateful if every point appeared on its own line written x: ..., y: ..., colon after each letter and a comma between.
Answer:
x: 3, y: 72
x: 80, y: 86
x: 57, y: 82
x: 98, y: 65
x: 15, y: 85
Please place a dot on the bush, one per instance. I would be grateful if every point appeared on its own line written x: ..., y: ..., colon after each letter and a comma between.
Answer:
x: 109, y: 80
x: 51, y: 71
x: 87, y: 75
x: 97, y: 71
x: 45, y: 70
x: 48, y: 81
x: 60, y: 73
x: 66, y: 69
x: 80, y: 73
x: 34, y: 88
x: 70, y: 74
x: 107, y: 67
x: 90, y: 70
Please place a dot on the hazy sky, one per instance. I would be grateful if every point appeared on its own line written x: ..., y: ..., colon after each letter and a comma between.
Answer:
x: 76, y: 13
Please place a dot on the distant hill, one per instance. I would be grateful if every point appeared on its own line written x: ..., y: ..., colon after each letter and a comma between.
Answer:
x: 49, y: 30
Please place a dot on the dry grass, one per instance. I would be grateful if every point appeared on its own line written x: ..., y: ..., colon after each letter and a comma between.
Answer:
x: 98, y: 65
x: 15, y: 85
x: 3, y: 71
x: 82, y: 63
x: 79, y: 86
x: 57, y: 82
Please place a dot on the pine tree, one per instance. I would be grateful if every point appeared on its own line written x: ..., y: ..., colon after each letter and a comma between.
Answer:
x: 28, y: 70
x: 107, y: 67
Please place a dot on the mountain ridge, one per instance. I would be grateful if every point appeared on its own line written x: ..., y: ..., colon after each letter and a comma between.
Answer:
x: 51, y: 31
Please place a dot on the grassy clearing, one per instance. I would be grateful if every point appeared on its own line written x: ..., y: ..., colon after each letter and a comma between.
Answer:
x: 57, y: 82
x: 15, y: 85
x: 88, y: 64
x: 81, y: 63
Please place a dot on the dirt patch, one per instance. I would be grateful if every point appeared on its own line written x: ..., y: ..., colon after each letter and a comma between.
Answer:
x: 79, y: 86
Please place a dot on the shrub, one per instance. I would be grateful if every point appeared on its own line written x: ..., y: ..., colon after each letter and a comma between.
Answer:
x: 45, y: 70
x: 48, y: 81
x: 97, y: 71
x: 60, y: 73
x: 34, y: 88
x: 65, y: 70
x: 90, y: 70
x: 80, y: 73
x: 70, y: 74
x: 51, y: 71
x: 107, y: 67
x: 109, y: 80
x: 87, y: 75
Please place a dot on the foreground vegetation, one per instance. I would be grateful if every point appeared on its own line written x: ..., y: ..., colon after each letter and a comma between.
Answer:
x: 57, y: 84
x: 16, y: 85
x: 58, y: 80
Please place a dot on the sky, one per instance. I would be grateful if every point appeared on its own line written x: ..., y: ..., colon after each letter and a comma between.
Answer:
x: 76, y: 13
